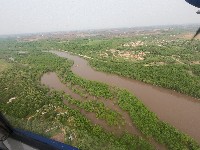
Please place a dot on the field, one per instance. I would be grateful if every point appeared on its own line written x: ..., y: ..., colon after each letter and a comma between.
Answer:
x: 83, y: 116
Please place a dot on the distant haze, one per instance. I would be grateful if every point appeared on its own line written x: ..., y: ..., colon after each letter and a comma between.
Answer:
x: 31, y: 16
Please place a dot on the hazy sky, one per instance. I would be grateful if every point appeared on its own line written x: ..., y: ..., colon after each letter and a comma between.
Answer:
x: 30, y: 16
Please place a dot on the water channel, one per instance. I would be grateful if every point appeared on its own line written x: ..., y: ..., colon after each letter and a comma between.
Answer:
x: 177, y: 109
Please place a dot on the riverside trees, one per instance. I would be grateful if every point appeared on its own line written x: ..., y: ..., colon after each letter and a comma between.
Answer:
x: 36, y: 108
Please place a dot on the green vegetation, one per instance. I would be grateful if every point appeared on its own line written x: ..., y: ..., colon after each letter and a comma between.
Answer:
x: 111, y: 117
x: 150, y: 125
x: 3, y: 65
x: 161, y: 60
x: 31, y: 106
x: 35, y: 108
x: 145, y: 120
x: 174, y: 77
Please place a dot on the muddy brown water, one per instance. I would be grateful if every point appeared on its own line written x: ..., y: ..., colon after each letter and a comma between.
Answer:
x: 179, y: 110
x: 51, y: 80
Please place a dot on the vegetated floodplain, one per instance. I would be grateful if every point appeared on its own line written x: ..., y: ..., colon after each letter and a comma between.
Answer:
x: 31, y: 106
x: 34, y: 107
x: 164, y: 59
x: 176, y: 109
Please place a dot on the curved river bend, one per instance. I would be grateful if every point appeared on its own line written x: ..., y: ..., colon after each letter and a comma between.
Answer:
x: 177, y: 109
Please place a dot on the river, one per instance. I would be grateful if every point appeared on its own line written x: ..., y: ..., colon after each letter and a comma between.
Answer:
x: 179, y: 110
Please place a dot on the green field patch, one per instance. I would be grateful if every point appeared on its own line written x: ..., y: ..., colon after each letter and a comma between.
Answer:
x: 3, y: 65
